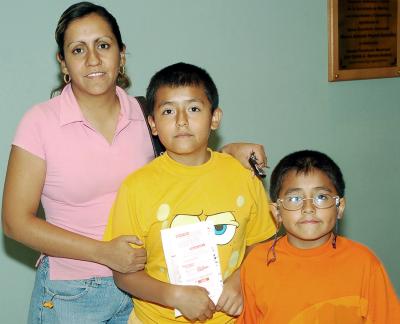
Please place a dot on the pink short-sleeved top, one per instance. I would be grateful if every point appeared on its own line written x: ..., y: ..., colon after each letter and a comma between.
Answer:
x: 83, y: 170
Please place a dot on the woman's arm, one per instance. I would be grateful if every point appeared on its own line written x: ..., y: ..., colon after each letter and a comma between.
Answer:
x: 242, y: 151
x: 21, y: 196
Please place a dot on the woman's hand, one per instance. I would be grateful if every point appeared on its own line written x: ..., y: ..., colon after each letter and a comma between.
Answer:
x: 242, y: 151
x: 119, y: 255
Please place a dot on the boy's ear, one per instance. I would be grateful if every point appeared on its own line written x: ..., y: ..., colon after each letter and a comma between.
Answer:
x: 216, y: 118
x: 340, y: 209
x: 152, y: 124
x: 275, y: 212
x: 63, y: 66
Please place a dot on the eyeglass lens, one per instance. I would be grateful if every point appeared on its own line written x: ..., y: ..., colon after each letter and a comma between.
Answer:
x: 319, y: 201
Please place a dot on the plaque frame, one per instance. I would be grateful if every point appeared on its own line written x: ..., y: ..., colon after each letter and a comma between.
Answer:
x: 334, y: 71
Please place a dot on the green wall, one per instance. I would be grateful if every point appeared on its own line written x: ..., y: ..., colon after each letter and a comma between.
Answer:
x: 269, y: 60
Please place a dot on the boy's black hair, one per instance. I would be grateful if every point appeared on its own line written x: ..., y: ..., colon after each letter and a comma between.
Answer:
x: 304, y: 162
x: 180, y: 75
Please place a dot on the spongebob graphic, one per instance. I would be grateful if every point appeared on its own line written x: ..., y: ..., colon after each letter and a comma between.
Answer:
x: 225, y: 226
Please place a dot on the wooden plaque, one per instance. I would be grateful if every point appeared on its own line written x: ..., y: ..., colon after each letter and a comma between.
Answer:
x: 363, y: 39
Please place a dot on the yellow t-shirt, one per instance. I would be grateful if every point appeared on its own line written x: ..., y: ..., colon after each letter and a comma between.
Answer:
x: 166, y: 194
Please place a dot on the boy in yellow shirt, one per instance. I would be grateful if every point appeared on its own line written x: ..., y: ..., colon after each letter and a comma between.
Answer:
x: 189, y: 183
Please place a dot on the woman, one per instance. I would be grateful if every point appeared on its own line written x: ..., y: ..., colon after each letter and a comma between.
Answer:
x: 72, y: 152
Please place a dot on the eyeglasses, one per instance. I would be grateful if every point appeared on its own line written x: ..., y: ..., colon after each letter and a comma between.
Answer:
x: 321, y: 201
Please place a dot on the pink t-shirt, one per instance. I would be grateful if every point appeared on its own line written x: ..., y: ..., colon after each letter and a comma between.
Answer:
x: 83, y: 170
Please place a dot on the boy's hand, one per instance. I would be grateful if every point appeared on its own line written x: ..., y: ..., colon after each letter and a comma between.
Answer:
x: 242, y: 151
x: 194, y: 303
x: 120, y: 256
x: 231, y: 301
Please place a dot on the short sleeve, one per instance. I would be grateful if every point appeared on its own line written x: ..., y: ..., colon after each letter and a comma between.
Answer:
x: 122, y: 219
x: 29, y: 133
x: 383, y: 304
x: 261, y: 225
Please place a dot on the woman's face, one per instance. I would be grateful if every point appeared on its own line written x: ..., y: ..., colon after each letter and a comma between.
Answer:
x: 92, y: 57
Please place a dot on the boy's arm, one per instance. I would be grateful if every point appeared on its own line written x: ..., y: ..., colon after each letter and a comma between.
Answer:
x: 192, y: 301
x: 231, y: 300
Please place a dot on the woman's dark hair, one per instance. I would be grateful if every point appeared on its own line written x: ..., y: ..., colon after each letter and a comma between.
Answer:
x: 181, y: 75
x: 304, y: 162
x: 80, y: 10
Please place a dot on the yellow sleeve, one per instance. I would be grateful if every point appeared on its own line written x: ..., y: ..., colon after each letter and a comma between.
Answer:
x: 122, y: 219
x: 383, y: 304
x: 261, y: 225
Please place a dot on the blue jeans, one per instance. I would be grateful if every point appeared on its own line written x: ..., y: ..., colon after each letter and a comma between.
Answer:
x: 90, y: 301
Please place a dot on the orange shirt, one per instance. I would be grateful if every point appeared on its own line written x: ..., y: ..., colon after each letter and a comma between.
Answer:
x: 346, y: 285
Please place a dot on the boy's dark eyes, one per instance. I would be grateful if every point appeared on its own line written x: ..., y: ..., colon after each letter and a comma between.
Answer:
x: 166, y: 111
x: 77, y: 50
x: 321, y: 197
x: 298, y: 198
x: 294, y: 199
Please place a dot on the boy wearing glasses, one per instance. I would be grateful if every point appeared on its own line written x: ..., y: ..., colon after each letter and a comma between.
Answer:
x: 311, y: 275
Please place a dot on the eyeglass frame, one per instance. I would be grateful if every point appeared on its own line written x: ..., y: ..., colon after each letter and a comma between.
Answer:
x: 337, y: 203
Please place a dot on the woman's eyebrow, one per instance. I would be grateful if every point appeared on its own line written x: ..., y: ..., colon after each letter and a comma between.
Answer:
x: 105, y: 37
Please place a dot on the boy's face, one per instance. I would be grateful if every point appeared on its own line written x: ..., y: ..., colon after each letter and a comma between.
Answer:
x: 309, y: 226
x: 182, y: 119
